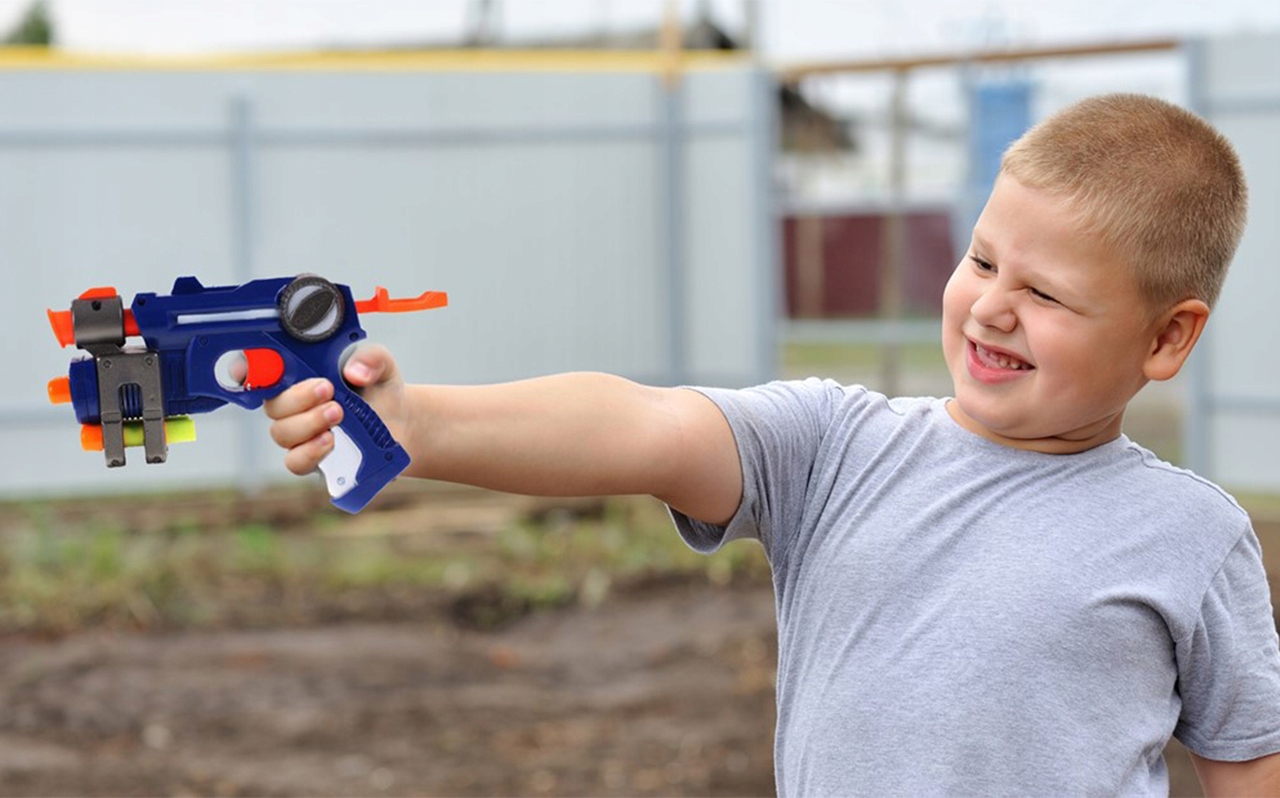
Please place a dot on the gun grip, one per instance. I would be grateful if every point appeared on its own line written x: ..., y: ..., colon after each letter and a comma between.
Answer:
x: 365, y: 457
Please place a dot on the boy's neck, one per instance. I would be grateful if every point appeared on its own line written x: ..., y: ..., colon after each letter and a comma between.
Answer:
x: 1081, y: 441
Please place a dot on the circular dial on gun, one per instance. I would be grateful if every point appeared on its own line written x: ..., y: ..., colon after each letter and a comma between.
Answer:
x: 311, y: 308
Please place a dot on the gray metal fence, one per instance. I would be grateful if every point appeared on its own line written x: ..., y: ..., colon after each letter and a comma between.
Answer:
x: 582, y: 215
x: 1233, y: 423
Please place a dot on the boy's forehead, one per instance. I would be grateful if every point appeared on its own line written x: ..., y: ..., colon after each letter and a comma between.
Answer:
x: 1021, y: 215
x: 1048, y: 237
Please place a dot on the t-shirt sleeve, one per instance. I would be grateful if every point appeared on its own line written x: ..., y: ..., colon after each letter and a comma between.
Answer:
x: 778, y: 429
x: 1229, y: 665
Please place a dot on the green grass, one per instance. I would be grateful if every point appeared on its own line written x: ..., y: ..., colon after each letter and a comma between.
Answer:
x: 209, y: 560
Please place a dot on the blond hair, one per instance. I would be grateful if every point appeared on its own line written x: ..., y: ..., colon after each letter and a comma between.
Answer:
x: 1161, y: 188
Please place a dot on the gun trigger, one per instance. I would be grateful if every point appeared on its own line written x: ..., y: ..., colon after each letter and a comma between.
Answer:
x: 264, y: 368
x: 381, y: 302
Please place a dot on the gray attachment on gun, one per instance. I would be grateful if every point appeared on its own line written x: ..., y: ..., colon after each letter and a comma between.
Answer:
x: 129, y: 385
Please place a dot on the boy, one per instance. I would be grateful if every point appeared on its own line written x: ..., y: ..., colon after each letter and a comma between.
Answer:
x: 996, y: 593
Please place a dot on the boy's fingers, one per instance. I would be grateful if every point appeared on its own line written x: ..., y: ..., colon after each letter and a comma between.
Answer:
x: 306, y: 458
x: 299, y: 428
x: 368, y: 365
x: 299, y: 398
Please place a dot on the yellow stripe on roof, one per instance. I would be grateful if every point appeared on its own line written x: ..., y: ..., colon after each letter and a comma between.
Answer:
x: 47, y: 59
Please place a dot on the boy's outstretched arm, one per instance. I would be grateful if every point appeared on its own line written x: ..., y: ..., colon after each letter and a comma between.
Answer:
x: 579, y: 434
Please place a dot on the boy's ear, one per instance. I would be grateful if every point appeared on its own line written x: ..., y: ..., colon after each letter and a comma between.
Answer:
x: 1176, y: 334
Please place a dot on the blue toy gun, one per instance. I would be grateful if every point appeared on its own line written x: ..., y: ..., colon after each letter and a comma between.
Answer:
x: 205, y: 347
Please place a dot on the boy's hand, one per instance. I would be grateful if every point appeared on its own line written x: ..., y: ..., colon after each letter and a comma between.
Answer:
x: 304, y: 414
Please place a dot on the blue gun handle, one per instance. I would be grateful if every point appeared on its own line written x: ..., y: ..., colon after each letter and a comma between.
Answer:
x: 365, y: 456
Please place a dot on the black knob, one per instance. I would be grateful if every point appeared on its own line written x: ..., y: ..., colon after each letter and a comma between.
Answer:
x: 311, y: 308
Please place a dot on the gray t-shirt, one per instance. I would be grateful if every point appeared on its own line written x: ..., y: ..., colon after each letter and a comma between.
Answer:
x: 957, y: 617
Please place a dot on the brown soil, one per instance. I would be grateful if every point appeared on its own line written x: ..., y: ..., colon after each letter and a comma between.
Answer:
x: 662, y: 693
x: 662, y: 690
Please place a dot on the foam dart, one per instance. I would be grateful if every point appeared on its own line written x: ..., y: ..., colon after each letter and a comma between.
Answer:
x: 381, y: 302
x: 178, y: 429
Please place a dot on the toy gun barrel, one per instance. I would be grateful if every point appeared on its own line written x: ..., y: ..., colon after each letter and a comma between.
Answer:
x: 205, y: 347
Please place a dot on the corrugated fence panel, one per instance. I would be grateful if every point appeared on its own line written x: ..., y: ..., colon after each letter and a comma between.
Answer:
x: 551, y: 206
x: 1237, y: 86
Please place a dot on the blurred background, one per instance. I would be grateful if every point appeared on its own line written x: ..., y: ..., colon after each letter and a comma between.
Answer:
x: 680, y: 192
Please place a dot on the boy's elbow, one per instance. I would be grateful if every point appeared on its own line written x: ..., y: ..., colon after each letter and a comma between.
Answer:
x: 701, y: 470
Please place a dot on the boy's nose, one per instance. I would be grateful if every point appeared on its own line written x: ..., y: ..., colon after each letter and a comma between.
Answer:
x: 994, y: 308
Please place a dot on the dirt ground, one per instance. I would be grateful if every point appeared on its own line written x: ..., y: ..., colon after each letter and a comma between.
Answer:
x: 665, y: 689
x: 661, y: 693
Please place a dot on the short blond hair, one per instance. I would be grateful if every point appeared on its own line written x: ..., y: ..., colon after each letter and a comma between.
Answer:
x: 1160, y: 187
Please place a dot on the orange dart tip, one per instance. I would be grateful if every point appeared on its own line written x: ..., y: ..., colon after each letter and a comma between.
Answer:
x: 60, y: 390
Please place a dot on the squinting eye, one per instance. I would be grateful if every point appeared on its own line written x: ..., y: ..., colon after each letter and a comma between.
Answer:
x: 1044, y: 296
x: 982, y: 264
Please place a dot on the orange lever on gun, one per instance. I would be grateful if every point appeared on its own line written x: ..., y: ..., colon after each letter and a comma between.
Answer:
x: 381, y: 302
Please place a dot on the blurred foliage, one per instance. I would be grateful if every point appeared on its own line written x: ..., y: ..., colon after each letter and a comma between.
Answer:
x: 806, y: 359
x: 217, y: 560
x: 35, y: 27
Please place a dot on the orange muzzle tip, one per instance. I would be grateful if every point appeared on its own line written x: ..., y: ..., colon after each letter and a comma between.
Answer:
x: 60, y: 390
x: 63, y: 328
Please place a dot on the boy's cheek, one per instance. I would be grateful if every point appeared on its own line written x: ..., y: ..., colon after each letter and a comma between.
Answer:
x: 955, y: 302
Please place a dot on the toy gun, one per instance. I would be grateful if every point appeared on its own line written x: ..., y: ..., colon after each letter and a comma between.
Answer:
x: 205, y: 347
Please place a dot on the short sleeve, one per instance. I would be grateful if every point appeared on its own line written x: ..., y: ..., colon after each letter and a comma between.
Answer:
x: 1229, y: 665
x: 778, y: 429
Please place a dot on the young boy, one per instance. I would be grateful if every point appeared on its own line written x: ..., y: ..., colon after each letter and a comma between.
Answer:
x: 995, y: 593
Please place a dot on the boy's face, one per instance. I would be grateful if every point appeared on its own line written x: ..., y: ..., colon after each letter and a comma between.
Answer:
x: 1043, y: 330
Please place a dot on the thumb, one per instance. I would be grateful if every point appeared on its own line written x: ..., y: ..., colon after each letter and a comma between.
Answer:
x: 369, y: 365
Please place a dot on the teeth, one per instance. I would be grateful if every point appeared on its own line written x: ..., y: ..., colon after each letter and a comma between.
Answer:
x: 1001, y: 360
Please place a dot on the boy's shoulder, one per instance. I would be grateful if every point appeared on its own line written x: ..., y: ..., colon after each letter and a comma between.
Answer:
x: 1119, y: 471
x: 1159, y: 471
x: 1168, y: 491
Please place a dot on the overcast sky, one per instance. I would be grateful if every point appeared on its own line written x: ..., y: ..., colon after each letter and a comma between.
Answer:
x: 790, y: 30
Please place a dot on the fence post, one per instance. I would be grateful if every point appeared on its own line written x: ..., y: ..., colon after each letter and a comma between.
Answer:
x: 893, y: 248
x: 671, y: 195
x: 249, y: 474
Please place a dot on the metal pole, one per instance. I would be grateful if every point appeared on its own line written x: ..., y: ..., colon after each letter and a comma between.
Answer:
x: 671, y: 126
x: 894, y: 240
x: 811, y: 267
x: 249, y: 475
x: 1200, y: 405
x: 767, y: 223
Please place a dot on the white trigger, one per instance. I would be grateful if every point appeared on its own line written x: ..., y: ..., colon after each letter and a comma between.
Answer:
x: 341, y: 465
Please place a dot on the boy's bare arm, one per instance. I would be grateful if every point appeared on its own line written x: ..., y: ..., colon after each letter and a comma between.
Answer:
x: 570, y: 434
x: 1256, y: 777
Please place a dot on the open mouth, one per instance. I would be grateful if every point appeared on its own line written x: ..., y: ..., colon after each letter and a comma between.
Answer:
x: 998, y: 360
